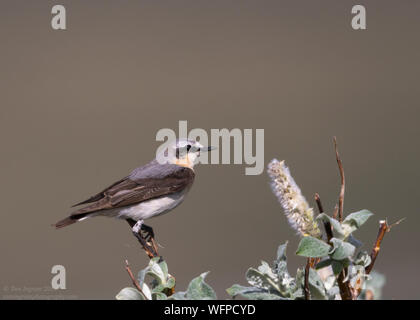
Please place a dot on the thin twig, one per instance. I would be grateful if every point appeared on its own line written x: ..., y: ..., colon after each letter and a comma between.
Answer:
x: 319, y: 203
x: 345, y: 290
x: 327, y: 224
x: 383, y: 228
x: 135, y: 283
x: 307, y: 268
x: 395, y: 223
x: 343, y: 182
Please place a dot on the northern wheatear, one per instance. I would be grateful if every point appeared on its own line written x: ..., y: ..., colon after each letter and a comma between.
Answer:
x: 148, y: 191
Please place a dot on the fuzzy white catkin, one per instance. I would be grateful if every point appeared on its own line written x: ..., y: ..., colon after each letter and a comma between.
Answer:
x: 295, y: 206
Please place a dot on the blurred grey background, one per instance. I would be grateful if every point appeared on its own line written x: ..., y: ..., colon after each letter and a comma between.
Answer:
x: 80, y: 108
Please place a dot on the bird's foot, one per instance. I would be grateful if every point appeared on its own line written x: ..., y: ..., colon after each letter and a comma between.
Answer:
x: 149, y: 236
x: 145, y: 236
x: 148, y: 248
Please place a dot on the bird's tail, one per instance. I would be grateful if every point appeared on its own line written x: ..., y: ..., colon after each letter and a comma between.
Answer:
x: 70, y: 220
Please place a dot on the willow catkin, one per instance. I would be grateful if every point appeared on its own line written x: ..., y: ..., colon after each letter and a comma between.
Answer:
x: 295, y: 206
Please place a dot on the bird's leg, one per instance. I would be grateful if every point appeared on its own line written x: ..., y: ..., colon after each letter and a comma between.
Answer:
x: 148, y: 232
x: 149, y: 236
x: 136, y: 227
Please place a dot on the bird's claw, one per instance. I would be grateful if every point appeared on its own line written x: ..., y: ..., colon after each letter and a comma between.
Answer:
x: 145, y: 235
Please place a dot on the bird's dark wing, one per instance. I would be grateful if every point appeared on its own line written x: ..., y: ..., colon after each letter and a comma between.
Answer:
x: 144, y: 183
x: 99, y: 195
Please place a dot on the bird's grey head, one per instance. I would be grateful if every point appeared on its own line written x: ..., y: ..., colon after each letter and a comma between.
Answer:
x: 185, y: 152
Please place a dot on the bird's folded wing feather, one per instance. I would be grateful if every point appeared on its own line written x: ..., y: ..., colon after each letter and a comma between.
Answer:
x: 148, y: 182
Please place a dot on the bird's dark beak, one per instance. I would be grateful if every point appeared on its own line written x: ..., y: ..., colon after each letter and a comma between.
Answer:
x: 207, y: 149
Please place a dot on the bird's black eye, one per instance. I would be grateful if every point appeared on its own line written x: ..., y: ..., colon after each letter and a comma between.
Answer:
x: 188, y: 147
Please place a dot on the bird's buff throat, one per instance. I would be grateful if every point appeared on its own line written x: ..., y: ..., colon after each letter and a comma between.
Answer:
x: 185, y: 162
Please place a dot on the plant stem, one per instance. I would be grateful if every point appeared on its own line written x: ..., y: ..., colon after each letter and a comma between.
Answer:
x: 327, y: 224
x: 383, y: 228
x: 345, y: 290
x: 343, y: 182
x: 307, y: 268
x: 135, y: 283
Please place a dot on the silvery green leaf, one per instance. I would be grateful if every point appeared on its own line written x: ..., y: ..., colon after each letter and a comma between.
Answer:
x: 199, y: 290
x: 337, y: 266
x: 334, y: 291
x: 170, y: 283
x: 157, y: 269
x: 297, y: 290
x: 156, y: 288
x: 351, y: 272
x: 146, y: 291
x: 285, y: 282
x: 252, y: 293
x: 280, y: 264
x: 329, y: 282
x: 286, y: 285
x: 142, y: 275
x: 129, y: 294
x: 180, y: 295
x: 260, y: 295
x: 265, y: 269
x: 164, y: 267
x: 355, y: 220
x: 363, y: 258
x: 297, y: 294
x: 316, y: 286
x: 337, y: 228
x: 300, y: 277
x: 312, y: 247
x: 323, y: 264
x: 356, y: 275
x: 257, y: 279
x: 159, y: 296
x: 156, y: 272
x: 341, y: 249
x: 152, y: 270
x: 236, y: 289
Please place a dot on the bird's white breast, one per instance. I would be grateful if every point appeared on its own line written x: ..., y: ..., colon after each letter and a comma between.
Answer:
x: 149, y: 208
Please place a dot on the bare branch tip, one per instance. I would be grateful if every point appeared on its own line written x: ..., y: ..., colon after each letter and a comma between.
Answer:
x: 396, y: 223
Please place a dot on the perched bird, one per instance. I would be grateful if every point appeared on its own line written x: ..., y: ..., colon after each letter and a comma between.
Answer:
x: 148, y: 191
